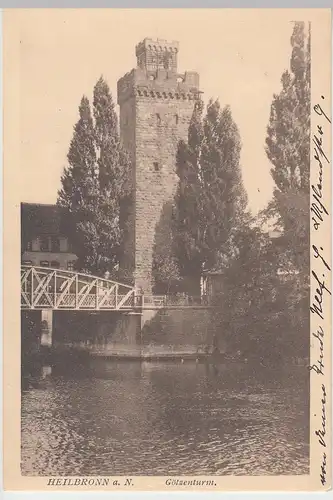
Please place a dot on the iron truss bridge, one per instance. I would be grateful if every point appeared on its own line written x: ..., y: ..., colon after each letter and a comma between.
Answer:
x: 46, y: 288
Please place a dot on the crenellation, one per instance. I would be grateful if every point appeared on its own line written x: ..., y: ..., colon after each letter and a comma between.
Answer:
x: 157, y: 54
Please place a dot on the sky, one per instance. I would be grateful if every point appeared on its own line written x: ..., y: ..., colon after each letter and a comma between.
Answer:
x: 239, y: 54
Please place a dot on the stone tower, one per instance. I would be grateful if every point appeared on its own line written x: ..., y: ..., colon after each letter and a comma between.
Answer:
x: 156, y: 105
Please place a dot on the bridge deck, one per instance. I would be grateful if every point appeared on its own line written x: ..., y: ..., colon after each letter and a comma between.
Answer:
x: 45, y: 288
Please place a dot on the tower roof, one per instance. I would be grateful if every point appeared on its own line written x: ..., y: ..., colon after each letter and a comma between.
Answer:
x: 156, y: 44
x: 157, y: 53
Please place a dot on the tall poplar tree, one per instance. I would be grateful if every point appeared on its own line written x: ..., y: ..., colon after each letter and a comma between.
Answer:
x: 79, y: 193
x: 288, y: 148
x: 93, y: 184
x: 265, y: 310
x: 113, y: 169
x: 210, y: 197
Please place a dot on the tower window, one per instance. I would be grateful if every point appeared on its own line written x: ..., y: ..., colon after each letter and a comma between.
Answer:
x: 44, y: 244
x: 176, y: 119
x: 158, y: 118
x: 167, y: 60
x: 156, y: 166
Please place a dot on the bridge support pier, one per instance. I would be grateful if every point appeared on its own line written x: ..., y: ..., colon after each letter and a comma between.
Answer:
x: 46, y: 328
x: 128, y: 330
x: 30, y: 332
x: 147, y: 315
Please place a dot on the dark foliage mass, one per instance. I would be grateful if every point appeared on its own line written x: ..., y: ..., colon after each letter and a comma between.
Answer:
x: 264, y: 306
x: 94, y: 184
x: 210, y: 199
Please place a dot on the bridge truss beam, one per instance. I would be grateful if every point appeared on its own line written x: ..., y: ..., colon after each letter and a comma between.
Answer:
x: 45, y: 288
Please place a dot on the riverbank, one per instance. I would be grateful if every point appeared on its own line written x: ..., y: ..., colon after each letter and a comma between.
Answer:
x: 83, y: 354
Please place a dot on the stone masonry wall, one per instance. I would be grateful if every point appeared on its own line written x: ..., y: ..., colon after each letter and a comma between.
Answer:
x: 190, y: 328
x: 127, y: 122
x: 160, y: 124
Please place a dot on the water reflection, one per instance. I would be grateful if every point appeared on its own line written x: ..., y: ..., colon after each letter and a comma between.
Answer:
x: 165, y: 419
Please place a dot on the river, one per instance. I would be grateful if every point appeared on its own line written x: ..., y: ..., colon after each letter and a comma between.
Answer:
x: 166, y: 419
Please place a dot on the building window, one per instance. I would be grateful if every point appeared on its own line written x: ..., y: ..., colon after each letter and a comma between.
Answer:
x: 68, y: 245
x: 44, y: 263
x: 55, y: 244
x: 29, y: 246
x: 70, y: 265
x: 44, y: 244
x: 27, y: 263
x: 156, y: 166
x: 176, y: 119
x: 158, y: 119
x: 55, y: 264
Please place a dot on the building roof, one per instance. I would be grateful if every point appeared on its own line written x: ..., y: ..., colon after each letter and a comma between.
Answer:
x: 41, y: 219
x: 275, y: 234
x: 217, y: 272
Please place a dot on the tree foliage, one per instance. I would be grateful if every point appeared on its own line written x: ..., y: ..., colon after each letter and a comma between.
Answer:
x: 264, y: 309
x: 166, y: 275
x: 262, y: 313
x: 210, y: 197
x: 94, y: 184
x: 288, y: 147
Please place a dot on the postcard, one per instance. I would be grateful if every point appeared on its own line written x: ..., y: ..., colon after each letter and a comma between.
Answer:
x: 167, y: 249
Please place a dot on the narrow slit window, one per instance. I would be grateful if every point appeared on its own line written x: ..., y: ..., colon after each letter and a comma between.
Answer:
x: 156, y: 166
x: 176, y: 119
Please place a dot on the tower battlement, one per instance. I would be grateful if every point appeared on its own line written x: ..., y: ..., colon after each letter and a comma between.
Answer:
x: 155, y: 54
x: 158, y: 84
x: 156, y: 74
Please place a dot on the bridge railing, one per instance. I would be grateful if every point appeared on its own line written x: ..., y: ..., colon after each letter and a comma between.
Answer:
x: 153, y: 301
x: 162, y: 301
